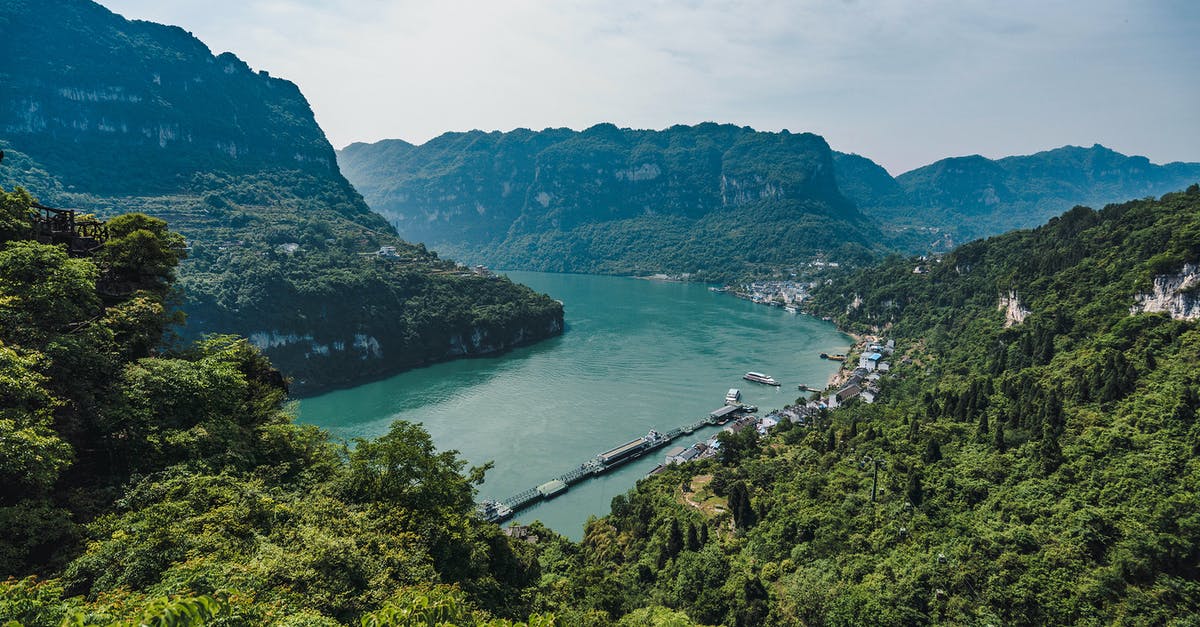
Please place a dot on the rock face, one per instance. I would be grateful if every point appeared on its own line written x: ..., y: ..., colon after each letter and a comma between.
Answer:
x: 106, y: 115
x: 113, y: 106
x: 1014, y: 312
x: 613, y: 200
x: 1177, y: 295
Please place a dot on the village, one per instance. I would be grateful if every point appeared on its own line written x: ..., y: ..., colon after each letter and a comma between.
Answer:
x: 861, y: 383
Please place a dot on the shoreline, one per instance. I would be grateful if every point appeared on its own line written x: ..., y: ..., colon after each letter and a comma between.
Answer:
x: 843, y: 372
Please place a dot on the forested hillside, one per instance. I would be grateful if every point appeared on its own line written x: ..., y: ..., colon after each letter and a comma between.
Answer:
x: 714, y: 201
x: 109, y: 116
x: 1037, y: 448
x: 151, y: 485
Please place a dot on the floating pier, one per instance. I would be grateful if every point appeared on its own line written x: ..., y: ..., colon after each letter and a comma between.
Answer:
x: 498, y: 511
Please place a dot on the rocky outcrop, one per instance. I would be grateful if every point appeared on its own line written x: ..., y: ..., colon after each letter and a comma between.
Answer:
x: 1177, y: 295
x: 1014, y: 312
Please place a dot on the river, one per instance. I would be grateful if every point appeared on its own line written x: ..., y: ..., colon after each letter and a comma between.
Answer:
x: 635, y: 355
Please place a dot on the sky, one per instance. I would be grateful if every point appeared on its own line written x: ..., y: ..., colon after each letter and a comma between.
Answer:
x: 904, y: 82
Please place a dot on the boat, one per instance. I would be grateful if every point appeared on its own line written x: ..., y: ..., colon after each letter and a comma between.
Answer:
x: 733, y: 396
x: 791, y: 309
x: 759, y: 377
x: 749, y: 408
x: 494, y: 511
x: 838, y: 357
x: 629, y: 450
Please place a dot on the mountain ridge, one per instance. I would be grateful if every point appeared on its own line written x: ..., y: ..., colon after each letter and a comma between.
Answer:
x: 614, y: 200
x: 108, y: 116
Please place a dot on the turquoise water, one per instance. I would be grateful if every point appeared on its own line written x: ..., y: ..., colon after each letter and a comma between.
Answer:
x: 636, y: 355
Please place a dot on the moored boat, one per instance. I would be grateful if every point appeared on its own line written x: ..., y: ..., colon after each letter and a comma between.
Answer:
x: 759, y: 377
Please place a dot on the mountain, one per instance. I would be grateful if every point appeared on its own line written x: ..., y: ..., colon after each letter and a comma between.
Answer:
x: 713, y: 201
x: 106, y: 115
x: 975, y: 197
x: 1030, y: 458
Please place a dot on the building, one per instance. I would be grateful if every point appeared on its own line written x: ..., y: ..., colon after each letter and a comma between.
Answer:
x: 847, y: 393
x: 868, y: 395
x: 687, y: 455
x: 724, y: 413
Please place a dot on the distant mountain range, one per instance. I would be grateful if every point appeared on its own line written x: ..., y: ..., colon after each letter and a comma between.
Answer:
x: 975, y: 197
x: 107, y: 115
x: 711, y: 200
x: 714, y: 200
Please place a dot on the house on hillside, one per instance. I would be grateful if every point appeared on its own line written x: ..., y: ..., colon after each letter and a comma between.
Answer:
x: 847, y: 393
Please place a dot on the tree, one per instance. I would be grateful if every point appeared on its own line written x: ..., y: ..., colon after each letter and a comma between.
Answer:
x: 402, y: 469
x: 141, y: 254
x: 16, y: 214
x: 740, y: 506
x: 915, y: 492
x: 737, y: 446
x: 674, y: 542
x: 43, y: 292
x: 998, y: 442
x: 933, y: 451
x: 1049, y: 453
x: 982, y: 430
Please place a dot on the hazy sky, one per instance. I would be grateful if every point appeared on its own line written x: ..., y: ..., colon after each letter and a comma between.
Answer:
x: 903, y: 82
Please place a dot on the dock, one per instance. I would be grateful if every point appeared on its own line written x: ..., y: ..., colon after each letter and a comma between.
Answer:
x: 601, y: 463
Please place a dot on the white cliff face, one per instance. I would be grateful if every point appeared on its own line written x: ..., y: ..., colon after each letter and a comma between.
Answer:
x: 1177, y: 295
x: 365, y: 345
x: 644, y: 172
x: 1014, y: 312
x: 739, y: 192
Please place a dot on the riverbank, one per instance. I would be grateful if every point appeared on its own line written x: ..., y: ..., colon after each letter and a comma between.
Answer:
x: 638, y: 355
x: 843, y: 373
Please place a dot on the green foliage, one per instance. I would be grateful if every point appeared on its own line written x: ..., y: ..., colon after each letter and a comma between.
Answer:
x: 140, y: 253
x: 1075, y: 504
x: 144, y: 481
x: 16, y: 214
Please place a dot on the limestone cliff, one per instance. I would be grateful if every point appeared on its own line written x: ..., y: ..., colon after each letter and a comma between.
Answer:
x: 1175, y: 294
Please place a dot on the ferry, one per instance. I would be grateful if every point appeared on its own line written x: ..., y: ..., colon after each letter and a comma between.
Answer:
x: 790, y: 309
x: 629, y: 451
x: 733, y: 396
x: 759, y: 377
x: 494, y: 511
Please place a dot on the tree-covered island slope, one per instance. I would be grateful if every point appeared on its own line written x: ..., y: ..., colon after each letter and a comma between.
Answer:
x: 1037, y: 443
x: 110, y: 116
x: 716, y: 202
